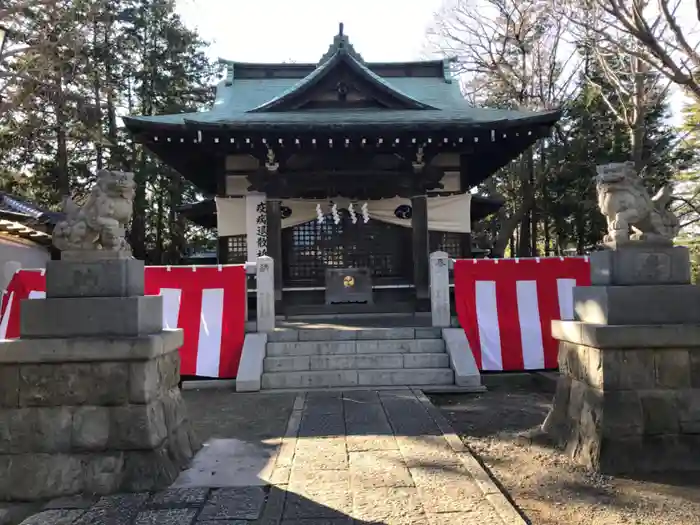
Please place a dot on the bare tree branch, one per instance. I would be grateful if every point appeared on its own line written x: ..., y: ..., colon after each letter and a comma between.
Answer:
x: 658, y: 35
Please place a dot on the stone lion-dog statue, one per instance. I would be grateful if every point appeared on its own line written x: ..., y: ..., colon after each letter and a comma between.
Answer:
x: 100, y: 223
x: 626, y: 204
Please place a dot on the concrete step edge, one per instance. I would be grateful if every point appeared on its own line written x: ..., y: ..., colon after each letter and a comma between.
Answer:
x: 337, y: 370
x: 385, y: 361
x: 364, y: 341
x: 281, y: 335
x: 357, y: 378
x: 276, y: 350
x: 364, y: 355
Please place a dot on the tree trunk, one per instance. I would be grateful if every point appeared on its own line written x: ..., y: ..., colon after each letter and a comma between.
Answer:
x: 508, y: 228
x: 97, y: 92
x: 175, y: 220
x: 528, y: 192
x: 639, y: 110
x: 160, y: 220
x: 580, y: 232
x: 62, y: 177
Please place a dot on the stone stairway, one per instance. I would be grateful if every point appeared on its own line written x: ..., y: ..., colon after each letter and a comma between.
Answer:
x: 355, y: 357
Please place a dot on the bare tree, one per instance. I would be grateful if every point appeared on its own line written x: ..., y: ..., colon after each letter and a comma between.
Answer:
x: 510, y: 54
x: 660, y: 34
x: 633, y: 89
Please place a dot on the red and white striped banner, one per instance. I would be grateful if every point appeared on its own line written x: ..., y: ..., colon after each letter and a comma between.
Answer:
x: 207, y: 302
x: 506, y: 307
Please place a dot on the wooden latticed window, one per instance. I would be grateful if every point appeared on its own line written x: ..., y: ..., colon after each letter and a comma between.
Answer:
x: 449, y: 242
x: 311, y: 247
x: 237, y: 249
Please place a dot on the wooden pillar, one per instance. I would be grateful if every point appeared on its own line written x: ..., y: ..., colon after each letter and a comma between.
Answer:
x: 466, y: 245
x: 421, y: 250
x: 274, y: 243
x: 222, y: 251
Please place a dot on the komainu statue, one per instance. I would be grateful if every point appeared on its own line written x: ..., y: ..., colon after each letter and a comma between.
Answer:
x: 100, y: 223
x: 625, y: 203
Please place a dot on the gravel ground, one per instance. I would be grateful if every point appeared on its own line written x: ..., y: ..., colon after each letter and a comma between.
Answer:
x: 545, y: 485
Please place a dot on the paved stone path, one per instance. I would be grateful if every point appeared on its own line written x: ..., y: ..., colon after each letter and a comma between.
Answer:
x: 358, y: 457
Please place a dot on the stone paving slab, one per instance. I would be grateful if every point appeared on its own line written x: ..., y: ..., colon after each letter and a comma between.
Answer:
x: 344, y: 458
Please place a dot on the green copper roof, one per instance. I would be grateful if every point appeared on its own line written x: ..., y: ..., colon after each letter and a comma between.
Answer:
x: 341, y: 53
x: 432, y: 102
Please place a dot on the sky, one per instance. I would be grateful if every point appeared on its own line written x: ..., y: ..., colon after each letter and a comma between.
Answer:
x: 302, y: 30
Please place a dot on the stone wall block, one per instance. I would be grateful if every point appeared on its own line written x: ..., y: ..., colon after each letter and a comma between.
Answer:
x: 169, y: 370
x: 573, y: 360
x: 9, y: 386
x: 672, y: 368
x: 53, y: 429
x: 149, y: 471
x: 665, y: 452
x: 174, y: 409
x: 104, y: 473
x: 694, y: 366
x: 620, y: 455
x: 179, y: 445
x: 588, y: 425
x: 636, y: 370
x: 622, y: 414
x: 137, y: 427
x: 557, y: 423
x: 149, y: 379
x: 35, y: 430
x: 41, y: 476
x: 6, y: 433
x: 689, y: 411
x: 91, y: 427
x: 660, y: 411
x: 143, y: 381
x: 73, y: 384
x: 595, y: 375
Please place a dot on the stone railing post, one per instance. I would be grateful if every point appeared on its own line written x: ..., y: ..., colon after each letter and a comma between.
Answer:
x: 266, y: 294
x: 440, y: 289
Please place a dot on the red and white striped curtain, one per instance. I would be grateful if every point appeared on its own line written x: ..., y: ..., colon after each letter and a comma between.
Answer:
x: 506, y: 307
x: 207, y: 302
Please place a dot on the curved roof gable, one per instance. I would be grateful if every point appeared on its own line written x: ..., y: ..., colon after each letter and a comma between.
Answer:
x: 340, y: 53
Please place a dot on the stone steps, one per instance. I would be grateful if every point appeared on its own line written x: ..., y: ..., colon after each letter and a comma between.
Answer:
x: 351, y: 333
x: 356, y: 361
x: 353, y: 378
x: 344, y: 356
x: 336, y: 347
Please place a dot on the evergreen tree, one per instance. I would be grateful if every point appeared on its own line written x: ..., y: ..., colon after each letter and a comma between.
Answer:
x: 129, y: 57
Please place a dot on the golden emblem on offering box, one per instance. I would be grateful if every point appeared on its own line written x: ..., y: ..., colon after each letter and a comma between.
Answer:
x: 348, y: 281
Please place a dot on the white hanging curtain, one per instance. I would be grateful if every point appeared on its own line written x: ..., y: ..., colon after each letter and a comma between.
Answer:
x: 448, y: 214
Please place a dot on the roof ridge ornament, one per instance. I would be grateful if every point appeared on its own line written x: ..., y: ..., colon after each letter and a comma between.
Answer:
x: 341, y: 43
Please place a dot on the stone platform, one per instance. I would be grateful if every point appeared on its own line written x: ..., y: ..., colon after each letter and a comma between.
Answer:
x: 352, y: 458
x: 628, y: 394
x: 98, y: 414
x: 628, y: 397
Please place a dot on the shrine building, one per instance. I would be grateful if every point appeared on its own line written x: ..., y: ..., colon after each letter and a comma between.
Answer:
x: 341, y: 167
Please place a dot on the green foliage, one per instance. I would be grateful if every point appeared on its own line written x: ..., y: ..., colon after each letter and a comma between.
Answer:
x: 126, y: 57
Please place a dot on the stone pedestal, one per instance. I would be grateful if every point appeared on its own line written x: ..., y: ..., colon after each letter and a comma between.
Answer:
x: 89, y: 401
x: 628, y: 395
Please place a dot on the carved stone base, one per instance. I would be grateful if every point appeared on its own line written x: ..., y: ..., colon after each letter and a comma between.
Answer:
x: 641, y: 263
x: 91, y: 316
x: 637, y: 305
x: 115, y: 277
x: 91, y: 415
x: 628, y: 397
